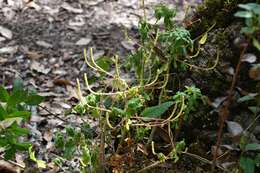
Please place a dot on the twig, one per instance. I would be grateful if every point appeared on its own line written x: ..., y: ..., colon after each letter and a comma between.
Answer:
x: 14, y: 163
x: 150, y: 166
x: 224, y: 112
x: 55, y: 115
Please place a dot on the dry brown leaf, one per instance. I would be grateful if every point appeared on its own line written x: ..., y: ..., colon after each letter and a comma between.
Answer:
x: 36, y: 66
x: 254, y: 73
x: 48, y: 134
x: 61, y: 82
x: 34, y: 55
x: 8, y: 167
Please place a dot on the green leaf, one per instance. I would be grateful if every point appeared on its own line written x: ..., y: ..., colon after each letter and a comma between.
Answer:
x: 4, y: 96
x: 254, y: 109
x: 22, y: 146
x: 59, y: 141
x: 247, y: 164
x: 249, y: 6
x: 34, y: 100
x: 17, y: 85
x: 245, y: 98
x: 9, y: 153
x: 104, y: 63
x: 156, y: 111
x: 256, y: 44
x: 3, y: 113
x: 257, y: 160
x: 17, y: 97
x: 118, y: 112
x: 252, y: 147
x: 9, y: 121
x: 248, y: 30
x: 22, y: 114
x: 244, y: 14
x: 134, y: 103
x: 70, y: 148
x: 86, y: 156
x: 19, y: 131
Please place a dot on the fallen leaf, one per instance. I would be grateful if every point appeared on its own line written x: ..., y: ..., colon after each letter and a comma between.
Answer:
x: 32, y: 4
x: 3, y: 60
x: 69, y: 8
x: 48, y: 135
x: 8, y: 167
x: 7, y: 33
x: 36, y: 66
x: 254, y: 72
x: 218, y: 101
x: 44, y: 44
x: 9, y: 50
x: 8, y: 13
x: 51, y: 11
x: 61, y: 82
x: 234, y: 128
x: 77, y: 21
x: 2, y: 39
x: 83, y: 41
x: 34, y: 55
x: 249, y: 57
x: 129, y: 45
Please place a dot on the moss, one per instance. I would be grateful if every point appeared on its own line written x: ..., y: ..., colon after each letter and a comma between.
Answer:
x: 211, y: 11
x: 222, y: 39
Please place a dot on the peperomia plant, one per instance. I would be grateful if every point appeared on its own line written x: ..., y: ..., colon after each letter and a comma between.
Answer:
x: 124, y: 108
x: 251, y: 14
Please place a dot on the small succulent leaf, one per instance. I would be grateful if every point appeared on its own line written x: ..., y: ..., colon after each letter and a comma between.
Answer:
x: 245, y: 98
x: 252, y: 147
x: 254, y: 109
x: 244, y: 14
x: 248, y: 6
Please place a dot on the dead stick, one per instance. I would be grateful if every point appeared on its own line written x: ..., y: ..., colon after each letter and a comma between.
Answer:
x: 224, y: 112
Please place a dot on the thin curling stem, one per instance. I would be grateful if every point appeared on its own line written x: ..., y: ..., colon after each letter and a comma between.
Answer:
x: 97, y: 66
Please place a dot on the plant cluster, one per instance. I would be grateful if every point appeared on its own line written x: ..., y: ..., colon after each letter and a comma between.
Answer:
x: 14, y: 111
x: 251, y: 14
x: 133, y: 110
